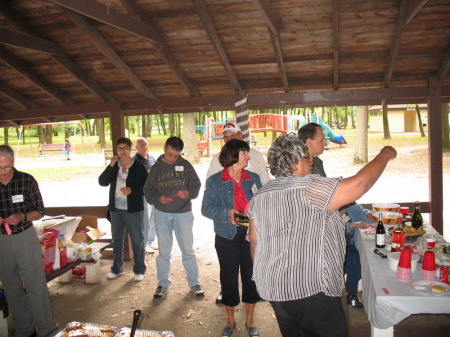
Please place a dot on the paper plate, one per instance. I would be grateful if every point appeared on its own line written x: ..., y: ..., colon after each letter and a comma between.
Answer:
x: 426, y: 287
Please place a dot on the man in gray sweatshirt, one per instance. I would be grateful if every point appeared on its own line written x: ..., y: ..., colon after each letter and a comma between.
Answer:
x: 171, y: 185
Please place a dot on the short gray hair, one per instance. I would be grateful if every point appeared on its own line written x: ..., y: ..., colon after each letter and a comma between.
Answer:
x: 284, y: 153
x: 6, y: 150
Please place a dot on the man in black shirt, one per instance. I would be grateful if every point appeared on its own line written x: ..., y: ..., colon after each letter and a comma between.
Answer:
x: 20, y: 250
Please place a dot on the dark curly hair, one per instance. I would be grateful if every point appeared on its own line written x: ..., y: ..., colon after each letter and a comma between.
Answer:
x: 124, y: 140
x: 229, y: 154
x: 284, y: 153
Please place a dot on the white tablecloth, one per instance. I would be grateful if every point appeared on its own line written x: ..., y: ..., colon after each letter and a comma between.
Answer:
x: 388, y: 301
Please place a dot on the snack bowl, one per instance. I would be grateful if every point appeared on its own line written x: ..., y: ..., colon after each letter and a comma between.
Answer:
x: 389, y: 218
x: 395, y: 257
x: 386, y: 207
x: 411, y: 234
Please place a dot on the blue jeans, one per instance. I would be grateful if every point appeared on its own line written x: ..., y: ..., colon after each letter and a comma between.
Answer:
x: 131, y: 222
x: 149, y: 223
x: 352, y: 267
x: 181, y: 224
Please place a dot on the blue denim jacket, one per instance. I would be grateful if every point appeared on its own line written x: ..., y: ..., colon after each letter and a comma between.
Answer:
x: 218, y: 199
x: 356, y: 213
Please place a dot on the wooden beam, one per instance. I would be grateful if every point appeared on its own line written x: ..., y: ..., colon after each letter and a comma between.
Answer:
x: 13, y: 62
x: 269, y: 16
x: 395, y: 44
x: 209, y: 27
x: 435, y: 155
x: 28, y: 42
x: 413, y: 7
x: 279, y: 57
x: 445, y: 65
x: 60, y: 57
x: 335, y: 44
x: 107, y: 15
x: 16, y: 97
x: 164, y: 52
x: 81, y: 22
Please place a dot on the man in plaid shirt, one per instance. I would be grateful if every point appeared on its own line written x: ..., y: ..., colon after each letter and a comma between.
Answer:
x: 20, y: 250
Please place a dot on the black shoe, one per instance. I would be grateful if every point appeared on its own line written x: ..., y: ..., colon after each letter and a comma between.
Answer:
x: 219, y: 298
x: 353, y: 300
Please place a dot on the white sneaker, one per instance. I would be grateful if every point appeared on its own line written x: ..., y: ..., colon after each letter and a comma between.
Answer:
x: 138, y: 277
x: 154, y: 246
x: 112, y: 276
x: 149, y: 250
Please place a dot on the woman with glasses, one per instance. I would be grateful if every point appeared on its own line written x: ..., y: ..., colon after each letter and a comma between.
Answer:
x: 126, y: 178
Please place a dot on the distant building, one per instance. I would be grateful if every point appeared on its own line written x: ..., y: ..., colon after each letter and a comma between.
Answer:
x: 401, y: 117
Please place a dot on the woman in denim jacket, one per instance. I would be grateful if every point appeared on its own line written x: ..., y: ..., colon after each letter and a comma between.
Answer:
x: 229, y: 192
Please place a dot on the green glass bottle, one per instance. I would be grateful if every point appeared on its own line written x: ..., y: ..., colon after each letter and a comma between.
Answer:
x: 416, y: 219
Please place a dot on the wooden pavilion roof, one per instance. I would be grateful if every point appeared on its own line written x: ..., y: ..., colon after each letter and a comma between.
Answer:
x: 72, y: 59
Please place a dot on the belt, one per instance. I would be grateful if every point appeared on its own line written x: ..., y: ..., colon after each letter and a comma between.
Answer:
x: 16, y: 229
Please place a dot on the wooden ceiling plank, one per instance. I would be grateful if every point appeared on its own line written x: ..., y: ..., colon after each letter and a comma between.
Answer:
x: 59, y: 57
x: 413, y: 8
x: 103, y: 46
x: 336, y: 44
x: 445, y: 65
x: 269, y: 16
x: 15, y: 64
x: 28, y: 42
x: 279, y: 57
x: 107, y: 15
x: 16, y: 97
x: 395, y: 45
x: 209, y: 27
x: 164, y: 52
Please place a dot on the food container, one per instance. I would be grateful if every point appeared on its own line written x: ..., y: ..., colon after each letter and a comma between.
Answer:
x: 395, y: 257
x: 386, y: 207
x: 389, y: 218
x: 87, y: 329
x: 411, y: 233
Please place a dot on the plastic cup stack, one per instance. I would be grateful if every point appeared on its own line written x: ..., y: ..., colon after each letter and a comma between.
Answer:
x: 404, y: 266
x: 429, y: 266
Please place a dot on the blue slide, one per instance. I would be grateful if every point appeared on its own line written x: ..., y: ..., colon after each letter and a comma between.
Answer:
x: 333, y: 136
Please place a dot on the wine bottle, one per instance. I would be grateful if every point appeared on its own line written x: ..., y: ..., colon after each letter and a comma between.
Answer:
x: 416, y: 219
x: 381, y: 234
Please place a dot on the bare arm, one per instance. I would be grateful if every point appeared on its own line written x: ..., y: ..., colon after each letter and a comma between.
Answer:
x: 351, y: 189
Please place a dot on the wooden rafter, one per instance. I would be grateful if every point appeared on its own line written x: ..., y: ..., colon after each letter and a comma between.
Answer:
x: 59, y: 56
x: 335, y: 44
x: 21, y: 68
x: 413, y: 7
x: 29, y: 42
x: 103, y: 46
x: 445, y: 65
x: 279, y: 57
x: 16, y: 97
x: 164, y: 52
x: 269, y: 16
x: 215, y: 40
x: 100, y: 12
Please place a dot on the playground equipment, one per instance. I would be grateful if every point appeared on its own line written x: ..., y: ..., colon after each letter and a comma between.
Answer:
x: 296, y: 122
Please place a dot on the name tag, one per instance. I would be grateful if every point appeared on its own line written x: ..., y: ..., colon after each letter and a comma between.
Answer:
x: 179, y: 168
x: 17, y: 198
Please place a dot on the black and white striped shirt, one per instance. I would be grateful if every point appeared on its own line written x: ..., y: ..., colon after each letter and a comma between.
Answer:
x: 301, y: 246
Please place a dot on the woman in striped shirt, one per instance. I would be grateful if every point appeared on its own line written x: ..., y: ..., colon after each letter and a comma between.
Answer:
x: 297, y: 238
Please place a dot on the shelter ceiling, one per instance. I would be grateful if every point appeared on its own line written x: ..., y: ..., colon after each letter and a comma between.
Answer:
x: 58, y: 53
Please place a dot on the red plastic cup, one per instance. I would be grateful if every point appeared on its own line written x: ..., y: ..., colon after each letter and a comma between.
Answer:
x: 405, y: 259
x: 431, y: 242
x: 429, y: 262
x: 403, y: 274
x: 404, y: 210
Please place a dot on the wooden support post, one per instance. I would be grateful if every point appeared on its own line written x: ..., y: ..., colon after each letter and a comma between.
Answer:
x: 242, y: 115
x: 435, y: 154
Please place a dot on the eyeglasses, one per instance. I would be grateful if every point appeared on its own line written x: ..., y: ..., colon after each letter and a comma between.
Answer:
x: 123, y: 148
x: 4, y: 169
x: 142, y: 145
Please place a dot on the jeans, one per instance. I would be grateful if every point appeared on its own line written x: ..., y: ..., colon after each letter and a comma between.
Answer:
x: 352, y: 268
x: 131, y: 222
x: 149, y: 223
x: 317, y: 315
x: 181, y: 224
